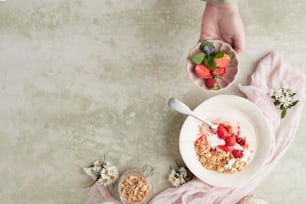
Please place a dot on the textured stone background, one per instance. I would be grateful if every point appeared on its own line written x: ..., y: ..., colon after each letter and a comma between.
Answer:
x: 83, y: 79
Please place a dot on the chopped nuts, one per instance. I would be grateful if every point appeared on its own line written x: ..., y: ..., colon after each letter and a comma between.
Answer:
x: 134, y: 189
x: 217, y: 160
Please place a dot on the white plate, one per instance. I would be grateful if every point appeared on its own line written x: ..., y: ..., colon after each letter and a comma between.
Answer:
x: 233, y: 109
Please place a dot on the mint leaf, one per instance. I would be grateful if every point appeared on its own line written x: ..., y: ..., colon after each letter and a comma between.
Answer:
x: 198, y: 58
x: 219, y: 54
x: 206, y: 61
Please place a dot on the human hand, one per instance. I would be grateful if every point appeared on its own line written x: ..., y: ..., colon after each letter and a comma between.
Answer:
x: 222, y: 21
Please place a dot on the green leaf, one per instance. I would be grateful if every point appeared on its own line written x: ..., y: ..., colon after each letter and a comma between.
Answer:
x: 219, y: 54
x: 276, y: 103
x: 212, y: 64
x: 206, y: 61
x: 198, y: 58
x: 294, y: 103
x: 283, y: 114
x: 205, y: 42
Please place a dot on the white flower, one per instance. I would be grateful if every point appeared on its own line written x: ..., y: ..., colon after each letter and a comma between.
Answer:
x: 277, y: 93
x: 112, y: 172
x: 172, y: 173
x: 174, y: 181
x: 183, y: 172
x: 288, y: 91
x: 97, y: 166
x: 104, y: 171
x: 107, y: 164
x: 181, y: 179
x: 287, y: 101
x: 104, y: 180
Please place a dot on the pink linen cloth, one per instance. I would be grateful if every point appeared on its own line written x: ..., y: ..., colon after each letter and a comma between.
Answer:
x: 271, y: 72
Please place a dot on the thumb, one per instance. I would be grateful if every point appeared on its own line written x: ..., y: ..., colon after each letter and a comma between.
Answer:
x: 239, y: 43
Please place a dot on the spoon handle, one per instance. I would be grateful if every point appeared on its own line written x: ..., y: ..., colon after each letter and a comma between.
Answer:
x: 184, y: 109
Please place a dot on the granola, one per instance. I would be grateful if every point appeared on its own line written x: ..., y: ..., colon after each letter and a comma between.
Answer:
x: 224, y: 150
x: 134, y: 189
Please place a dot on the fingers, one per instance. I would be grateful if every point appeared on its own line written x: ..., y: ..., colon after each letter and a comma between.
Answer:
x: 207, y: 34
x: 206, y: 37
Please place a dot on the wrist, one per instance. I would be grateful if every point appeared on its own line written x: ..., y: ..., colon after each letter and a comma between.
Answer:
x: 233, y: 6
x: 221, y: 1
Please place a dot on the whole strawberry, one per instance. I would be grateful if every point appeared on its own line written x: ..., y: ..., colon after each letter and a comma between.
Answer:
x: 212, y: 83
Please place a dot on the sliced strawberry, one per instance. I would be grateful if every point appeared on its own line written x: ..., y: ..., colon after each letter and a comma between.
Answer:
x: 229, y: 129
x: 230, y: 140
x: 223, y: 61
x: 222, y: 132
x: 212, y: 83
x: 219, y: 72
x: 202, y: 140
x: 237, y: 153
x: 223, y: 148
x: 203, y: 71
x: 240, y: 141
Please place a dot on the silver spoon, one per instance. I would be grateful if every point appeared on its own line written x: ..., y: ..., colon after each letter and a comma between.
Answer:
x: 180, y: 107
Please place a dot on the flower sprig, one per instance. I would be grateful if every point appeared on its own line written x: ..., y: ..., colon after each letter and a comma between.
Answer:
x: 106, y: 172
x: 179, y: 175
x: 283, y: 99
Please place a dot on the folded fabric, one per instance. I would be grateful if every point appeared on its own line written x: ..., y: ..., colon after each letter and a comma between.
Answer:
x: 271, y: 72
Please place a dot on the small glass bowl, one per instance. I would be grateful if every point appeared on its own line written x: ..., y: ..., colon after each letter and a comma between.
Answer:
x: 129, y: 177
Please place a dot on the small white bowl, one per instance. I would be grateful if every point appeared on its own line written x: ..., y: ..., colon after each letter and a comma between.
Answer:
x: 231, y: 70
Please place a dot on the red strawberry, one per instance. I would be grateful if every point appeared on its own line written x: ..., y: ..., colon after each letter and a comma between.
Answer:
x: 237, y: 153
x: 229, y: 129
x: 223, y: 61
x: 212, y: 83
x: 202, y: 140
x: 222, y: 132
x: 203, y: 71
x: 230, y: 140
x: 223, y: 148
x: 240, y: 141
x: 219, y: 72
x: 212, y: 150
